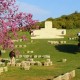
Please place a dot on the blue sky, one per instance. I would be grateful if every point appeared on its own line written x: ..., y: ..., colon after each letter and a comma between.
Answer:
x: 43, y: 9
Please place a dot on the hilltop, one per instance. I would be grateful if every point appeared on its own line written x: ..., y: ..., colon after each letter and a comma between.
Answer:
x: 70, y: 21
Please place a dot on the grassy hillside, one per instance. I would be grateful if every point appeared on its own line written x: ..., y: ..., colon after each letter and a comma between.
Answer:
x: 57, y: 53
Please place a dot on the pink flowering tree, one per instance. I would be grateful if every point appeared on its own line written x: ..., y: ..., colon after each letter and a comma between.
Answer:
x: 11, y: 19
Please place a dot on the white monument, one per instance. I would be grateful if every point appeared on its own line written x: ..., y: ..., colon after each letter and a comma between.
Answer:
x: 48, y: 32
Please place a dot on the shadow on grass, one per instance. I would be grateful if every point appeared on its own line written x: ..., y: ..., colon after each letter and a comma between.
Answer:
x: 49, y: 79
x: 68, y: 48
x: 78, y: 67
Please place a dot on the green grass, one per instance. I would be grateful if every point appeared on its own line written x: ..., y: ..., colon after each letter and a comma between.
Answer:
x: 57, y: 53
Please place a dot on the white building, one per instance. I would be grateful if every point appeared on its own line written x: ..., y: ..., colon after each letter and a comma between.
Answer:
x: 48, y: 32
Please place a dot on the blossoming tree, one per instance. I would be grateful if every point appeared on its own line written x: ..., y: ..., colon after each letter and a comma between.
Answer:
x: 10, y: 18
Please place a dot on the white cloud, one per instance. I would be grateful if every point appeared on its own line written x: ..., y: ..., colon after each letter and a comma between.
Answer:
x: 35, y: 10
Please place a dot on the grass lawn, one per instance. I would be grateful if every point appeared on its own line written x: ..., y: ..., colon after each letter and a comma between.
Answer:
x: 57, y: 53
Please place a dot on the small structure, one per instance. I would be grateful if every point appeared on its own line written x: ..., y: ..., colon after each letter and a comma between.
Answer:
x: 72, y: 73
x: 64, y: 60
x: 78, y: 34
x: 58, y: 78
x: 65, y: 76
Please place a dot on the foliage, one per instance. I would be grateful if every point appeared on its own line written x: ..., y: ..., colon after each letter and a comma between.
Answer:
x: 11, y: 19
x: 66, y: 21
